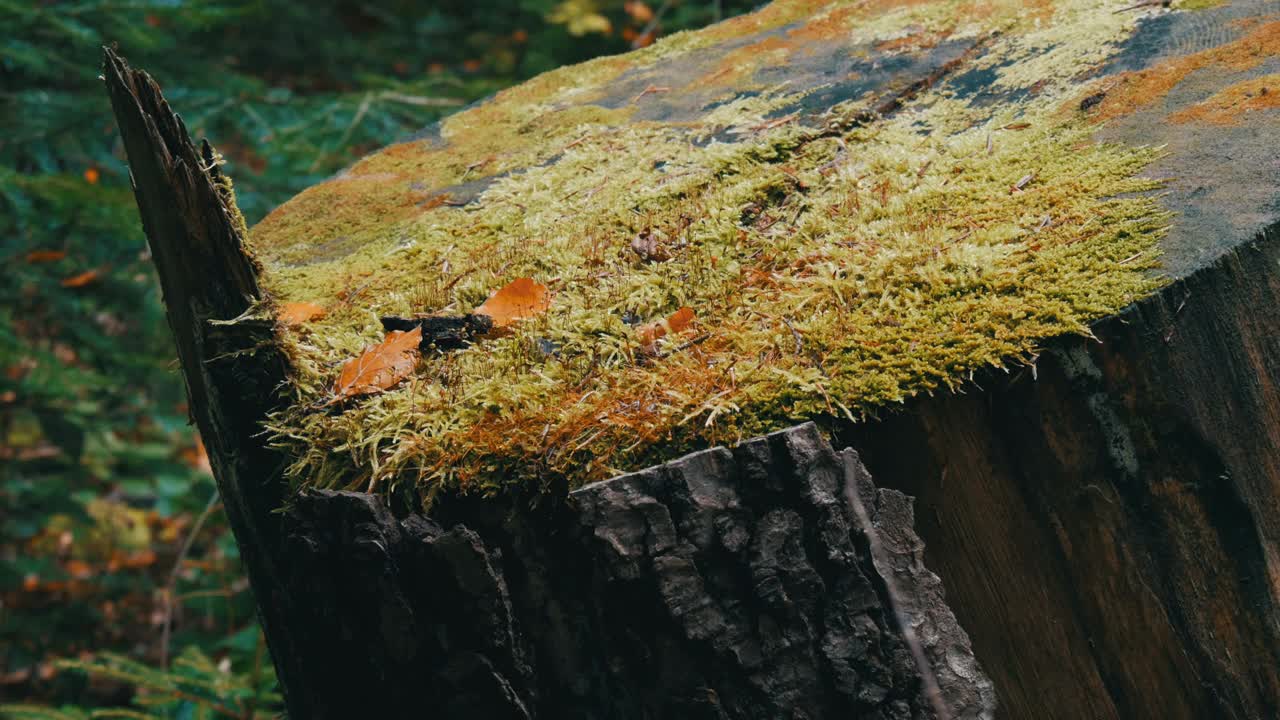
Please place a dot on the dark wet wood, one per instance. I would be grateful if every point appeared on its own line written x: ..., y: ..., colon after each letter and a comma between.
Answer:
x: 234, y: 378
x: 726, y: 584
x: 1108, y: 527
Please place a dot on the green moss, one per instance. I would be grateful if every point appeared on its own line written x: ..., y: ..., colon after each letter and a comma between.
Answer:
x: 832, y: 273
x: 1198, y: 4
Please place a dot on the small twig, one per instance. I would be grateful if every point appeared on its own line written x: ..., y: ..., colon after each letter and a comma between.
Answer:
x: 651, y: 90
x: 685, y: 346
x: 932, y: 692
x: 172, y: 583
x: 1142, y: 4
x: 419, y: 100
x: 794, y: 333
x: 652, y: 25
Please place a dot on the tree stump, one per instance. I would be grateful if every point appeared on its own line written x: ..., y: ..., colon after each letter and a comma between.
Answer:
x: 1023, y: 260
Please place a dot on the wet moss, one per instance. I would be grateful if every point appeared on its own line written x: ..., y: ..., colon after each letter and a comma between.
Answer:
x: 836, y: 266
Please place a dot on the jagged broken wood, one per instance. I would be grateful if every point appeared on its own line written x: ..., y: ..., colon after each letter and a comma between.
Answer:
x: 729, y: 583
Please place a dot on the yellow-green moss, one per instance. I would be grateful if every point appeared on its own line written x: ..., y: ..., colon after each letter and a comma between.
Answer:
x: 832, y: 273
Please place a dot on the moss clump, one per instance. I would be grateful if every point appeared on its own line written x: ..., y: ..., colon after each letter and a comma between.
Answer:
x: 832, y: 272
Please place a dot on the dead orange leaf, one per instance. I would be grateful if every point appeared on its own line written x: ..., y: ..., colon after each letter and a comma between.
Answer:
x: 197, y: 457
x: 639, y: 11
x: 379, y: 367
x: 44, y: 256
x: 79, y: 569
x: 677, y: 321
x: 520, y: 299
x: 84, y: 278
x: 296, y: 313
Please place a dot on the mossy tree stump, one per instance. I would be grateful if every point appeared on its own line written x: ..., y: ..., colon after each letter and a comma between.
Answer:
x: 1022, y: 257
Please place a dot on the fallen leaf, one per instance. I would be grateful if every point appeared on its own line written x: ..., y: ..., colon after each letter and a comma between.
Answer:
x: 133, y: 560
x: 639, y: 11
x: 44, y: 256
x: 646, y: 246
x: 197, y: 458
x: 1016, y: 126
x: 81, y: 280
x: 522, y: 298
x: 379, y: 367
x: 677, y: 321
x: 296, y: 313
x: 79, y: 569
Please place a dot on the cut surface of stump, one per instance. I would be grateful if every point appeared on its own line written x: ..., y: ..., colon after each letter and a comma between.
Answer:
x: 858, y: 203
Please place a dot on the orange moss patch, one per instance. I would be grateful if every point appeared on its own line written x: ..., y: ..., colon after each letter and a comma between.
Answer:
x: 741, y: 64
x: 1228, y: 105
x: 830, y: 25
x: 1039, y: 9
x: 340, y: 208
x: 913, y: 41
x: 773, y: 15
x: 1132, y: 91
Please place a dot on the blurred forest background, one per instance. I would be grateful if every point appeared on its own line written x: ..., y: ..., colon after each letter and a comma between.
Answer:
x: 120, y: 589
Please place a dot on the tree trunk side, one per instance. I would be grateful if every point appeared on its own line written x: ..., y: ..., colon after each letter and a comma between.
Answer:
x: 727, y: 584
x: 1109, y: 526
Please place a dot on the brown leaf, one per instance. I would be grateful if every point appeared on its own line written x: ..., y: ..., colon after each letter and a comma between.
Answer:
x: 379, y: 367
x: 522, y: 298
x: 677, y: 321
x: 646, y: 246
x: 197, y: 457
x: 84, y: 278
x: 78, y: 569
x: 296, y: 313
x: 44, y: 256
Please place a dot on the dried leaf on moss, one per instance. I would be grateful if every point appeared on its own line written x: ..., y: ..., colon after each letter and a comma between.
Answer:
x: 297, y: 313
x: 379, y: 367
x: 522, y: 298
x: 676, y: 322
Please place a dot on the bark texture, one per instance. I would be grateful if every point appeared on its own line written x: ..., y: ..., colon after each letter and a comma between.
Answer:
x: 233, y: 376
x: 727, y: 584
x: 1109, y: 525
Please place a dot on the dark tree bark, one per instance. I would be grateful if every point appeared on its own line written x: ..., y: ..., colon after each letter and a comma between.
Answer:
x: 1126, y: 496
x: 727, y: 584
